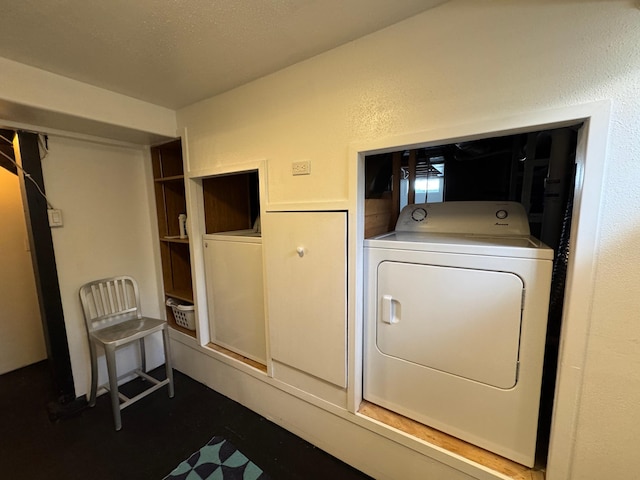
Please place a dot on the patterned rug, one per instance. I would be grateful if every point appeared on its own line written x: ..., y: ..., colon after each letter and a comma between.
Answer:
x: 217, y: 460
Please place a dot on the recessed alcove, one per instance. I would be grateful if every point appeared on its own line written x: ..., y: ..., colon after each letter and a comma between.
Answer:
x: 231, y: 201
x: 535, y: 167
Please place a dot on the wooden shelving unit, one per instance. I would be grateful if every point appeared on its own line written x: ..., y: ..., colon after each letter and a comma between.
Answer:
x: 168, y: 178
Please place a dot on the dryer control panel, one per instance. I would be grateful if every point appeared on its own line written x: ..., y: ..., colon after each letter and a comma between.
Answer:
x: 473, y: 218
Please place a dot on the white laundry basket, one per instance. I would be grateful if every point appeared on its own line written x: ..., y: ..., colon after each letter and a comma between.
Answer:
x: 184, y: 314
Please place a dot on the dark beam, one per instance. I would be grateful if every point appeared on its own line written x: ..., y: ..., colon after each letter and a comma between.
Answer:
x: 46, y: 273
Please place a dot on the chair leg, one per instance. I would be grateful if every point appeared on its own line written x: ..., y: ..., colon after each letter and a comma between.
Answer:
x: 167, y: 359
x: 110, y: 355
x: 143, y: 357
x: 94, y: 374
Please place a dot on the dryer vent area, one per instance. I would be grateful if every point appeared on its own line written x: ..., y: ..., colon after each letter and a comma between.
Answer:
x: 535, y: 168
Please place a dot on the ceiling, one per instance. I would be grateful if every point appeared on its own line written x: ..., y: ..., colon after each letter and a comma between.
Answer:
x: 176, y: 52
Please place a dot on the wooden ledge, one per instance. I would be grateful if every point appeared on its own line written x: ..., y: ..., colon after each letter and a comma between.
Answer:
x: 229, y: 353
x: 435, y: 437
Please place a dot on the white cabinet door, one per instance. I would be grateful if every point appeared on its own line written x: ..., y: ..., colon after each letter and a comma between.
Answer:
x: 233, y: 268
x: 306, y: 271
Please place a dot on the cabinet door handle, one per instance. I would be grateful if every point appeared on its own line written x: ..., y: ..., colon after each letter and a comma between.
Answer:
x: 300, y: 251
x: 389, y: 305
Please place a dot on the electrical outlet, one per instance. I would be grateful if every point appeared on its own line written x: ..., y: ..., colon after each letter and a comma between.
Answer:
x: 301, y: 168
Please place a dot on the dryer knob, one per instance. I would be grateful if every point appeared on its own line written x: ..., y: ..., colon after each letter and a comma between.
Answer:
x: 502, y: 214
x: 419, y: 214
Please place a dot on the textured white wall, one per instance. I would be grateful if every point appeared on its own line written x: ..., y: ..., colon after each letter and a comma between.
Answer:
x: 466, y: 62
x: 21, y: 336
x: 105, y: 194
x: 34, y: 96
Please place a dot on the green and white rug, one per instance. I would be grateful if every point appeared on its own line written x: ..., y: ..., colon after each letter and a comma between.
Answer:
x: 217, y: 460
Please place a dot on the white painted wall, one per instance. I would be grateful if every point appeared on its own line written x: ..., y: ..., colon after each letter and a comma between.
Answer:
x: 21, y: 336
x: 466, y: 62
x: 105, y: 193
x: 43, y: 100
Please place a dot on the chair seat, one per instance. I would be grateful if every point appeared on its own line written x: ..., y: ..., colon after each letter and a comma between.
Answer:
x: 128, y: 331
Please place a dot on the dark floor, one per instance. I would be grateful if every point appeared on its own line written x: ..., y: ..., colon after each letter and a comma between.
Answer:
x: 157, y: 434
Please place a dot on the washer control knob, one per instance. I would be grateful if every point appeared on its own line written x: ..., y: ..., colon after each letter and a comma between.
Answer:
x: 502, y: 214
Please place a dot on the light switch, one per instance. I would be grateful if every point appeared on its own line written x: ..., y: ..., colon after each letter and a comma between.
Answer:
x: 55, y: 217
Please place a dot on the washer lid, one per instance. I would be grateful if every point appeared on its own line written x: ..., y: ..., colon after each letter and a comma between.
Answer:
x: 479, y: 218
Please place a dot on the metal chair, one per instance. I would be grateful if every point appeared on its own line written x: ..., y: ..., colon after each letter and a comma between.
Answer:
x: 111, y: 308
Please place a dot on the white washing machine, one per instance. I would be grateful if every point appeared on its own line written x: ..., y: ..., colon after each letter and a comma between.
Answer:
x: 456, y: 304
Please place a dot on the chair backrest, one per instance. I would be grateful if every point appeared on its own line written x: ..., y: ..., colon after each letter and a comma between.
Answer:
x: 109, y: 301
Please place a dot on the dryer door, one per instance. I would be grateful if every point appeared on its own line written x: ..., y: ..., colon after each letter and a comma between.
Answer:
x: 461, y: 321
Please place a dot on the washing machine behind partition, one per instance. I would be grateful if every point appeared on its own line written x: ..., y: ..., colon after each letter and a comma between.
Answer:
x: 456, y: 304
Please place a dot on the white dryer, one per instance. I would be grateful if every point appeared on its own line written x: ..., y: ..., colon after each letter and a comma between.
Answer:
x: 456, y: 304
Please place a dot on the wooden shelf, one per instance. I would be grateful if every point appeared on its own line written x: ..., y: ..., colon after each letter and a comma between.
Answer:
x: 170, y: 203
x: 185, y: 295
x: 175, y: 240
x: 175, y: 326
x: 167, y: 160
x: 174, y: 178
x: 186, y: 331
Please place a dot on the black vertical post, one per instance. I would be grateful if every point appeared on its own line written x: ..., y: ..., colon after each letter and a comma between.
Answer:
x: 46, y: 273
